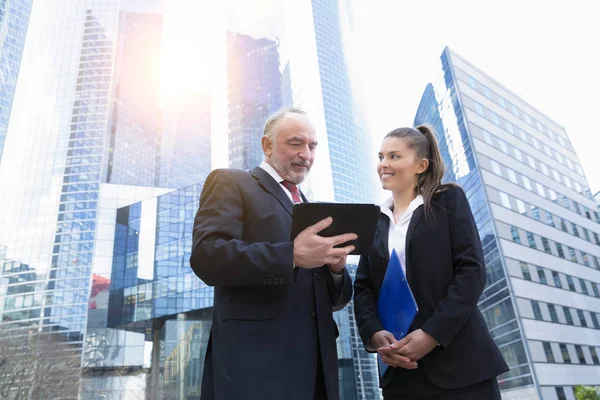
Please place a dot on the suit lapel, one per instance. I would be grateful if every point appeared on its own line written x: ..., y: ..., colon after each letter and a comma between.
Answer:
x: 414, y: 221
x: 270, y: 185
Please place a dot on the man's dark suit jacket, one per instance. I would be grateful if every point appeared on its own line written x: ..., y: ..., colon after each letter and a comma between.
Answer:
x: 446, y: 272
x: 270, y: 320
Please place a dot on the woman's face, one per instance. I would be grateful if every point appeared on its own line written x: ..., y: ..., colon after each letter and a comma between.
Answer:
x: 399, y: 167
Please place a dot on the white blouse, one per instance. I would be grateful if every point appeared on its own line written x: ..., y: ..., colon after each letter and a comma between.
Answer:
x: 398, y: 231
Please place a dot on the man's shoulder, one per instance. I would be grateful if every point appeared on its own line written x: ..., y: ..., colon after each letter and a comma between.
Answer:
x: 223, y: 173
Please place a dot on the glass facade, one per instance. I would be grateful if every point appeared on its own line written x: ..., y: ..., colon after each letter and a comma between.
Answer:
x: 100, y: 193
x: 535, y: 214
x: 254, y: 92
x: 14, y: 18
x: 441, y: 107
x: 347, y: 137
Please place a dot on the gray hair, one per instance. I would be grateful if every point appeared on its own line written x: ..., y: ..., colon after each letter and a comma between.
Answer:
x: 274, y: 119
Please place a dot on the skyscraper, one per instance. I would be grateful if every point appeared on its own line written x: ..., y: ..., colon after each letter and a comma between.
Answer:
x: 94, y: 241
x: 14, y: 19
x: 538, y: 225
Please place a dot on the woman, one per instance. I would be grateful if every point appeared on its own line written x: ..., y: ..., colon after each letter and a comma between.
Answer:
x: 449, y: 352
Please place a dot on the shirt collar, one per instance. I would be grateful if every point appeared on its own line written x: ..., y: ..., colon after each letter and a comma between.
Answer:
x: 271, y: 171
x: 386, y: 207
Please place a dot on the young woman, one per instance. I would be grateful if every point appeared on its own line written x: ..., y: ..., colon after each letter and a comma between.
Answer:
x: 449, y: 352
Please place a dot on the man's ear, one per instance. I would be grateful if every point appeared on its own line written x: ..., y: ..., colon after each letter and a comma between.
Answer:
x: 267, y: 146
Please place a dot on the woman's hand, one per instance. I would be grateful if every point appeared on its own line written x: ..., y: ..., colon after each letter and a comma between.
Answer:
x: 383, y: 341
x: 415, y: 345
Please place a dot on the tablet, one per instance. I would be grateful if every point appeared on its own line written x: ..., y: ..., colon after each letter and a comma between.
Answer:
x: 347, y: 218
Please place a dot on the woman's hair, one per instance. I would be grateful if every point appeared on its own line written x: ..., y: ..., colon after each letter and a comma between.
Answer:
x: 422, y: 139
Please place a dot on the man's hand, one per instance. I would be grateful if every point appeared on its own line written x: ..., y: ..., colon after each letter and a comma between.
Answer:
x: 313, y: 251
x: 415, y: 345
x: 338, y: 268
x: 383, y: 341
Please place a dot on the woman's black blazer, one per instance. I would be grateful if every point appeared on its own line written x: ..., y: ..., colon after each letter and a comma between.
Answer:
x: 446, y: 272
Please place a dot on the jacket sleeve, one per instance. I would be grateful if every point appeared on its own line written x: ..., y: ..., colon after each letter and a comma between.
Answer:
x: 219, y: 255
x: 456, y: 308
x: 365, y: 304
x: 342, y: 295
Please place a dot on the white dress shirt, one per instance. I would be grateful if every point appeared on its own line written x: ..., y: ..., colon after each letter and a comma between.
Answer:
x: 338, y: 280
x: 398, y: 231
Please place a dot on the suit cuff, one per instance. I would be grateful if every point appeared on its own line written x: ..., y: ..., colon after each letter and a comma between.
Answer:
x: 338, y: 280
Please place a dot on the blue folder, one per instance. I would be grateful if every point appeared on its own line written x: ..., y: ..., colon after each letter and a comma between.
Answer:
x: 396, y: 304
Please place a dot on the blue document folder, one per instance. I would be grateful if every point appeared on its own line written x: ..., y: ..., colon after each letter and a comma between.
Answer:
x: 396, y: 304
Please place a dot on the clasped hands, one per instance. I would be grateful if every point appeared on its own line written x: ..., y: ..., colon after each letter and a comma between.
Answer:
x: 406, y: 352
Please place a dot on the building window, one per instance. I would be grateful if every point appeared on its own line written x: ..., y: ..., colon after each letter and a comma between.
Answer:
x: 515, y: 234
x: 584, y: 288
x: 563, y: 226
x: 518, y: 154
x: 545, y: 169
x: 595, y: 320
x: 540, y: 189
x: 565, y: 353
x: 594, y: 355
x: 595, y: 289
x: 496, y: 168
x: 582, y: 319
x: 553, y: 195
x: 487, y: 137
x: 584, y: 257
x: 531, y: 240
x: 505, y: 200
x: 479, y: 109
x: 521, y: 206
x: 560, y: 393
x: 560, y: 251
x: 553, y: 315
x: 531, y: 162
x: 525, y: 271
x: 568, y: 315
x: 537, y: 312
x: 586, y: 235
x: 527, y: 183
x: 535, y: 212
x: 503, y: 146
x: 557, y: 281
x: 546, y: 245
x: 509, y: 127
x: 549, y: 219
x: 472, y: 82
x: 548, y: 351
x: 565, y: 202
x: 511, y: 175
x: 596, y: 238
x: 495, y: 118
x: 580, y: 355
x: 542, y: 275
x: 575, y: 231
x: 572, y: 254
x: 571, y: 283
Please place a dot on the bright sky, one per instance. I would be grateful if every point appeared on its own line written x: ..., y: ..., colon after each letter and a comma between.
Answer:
x: 547, y: 52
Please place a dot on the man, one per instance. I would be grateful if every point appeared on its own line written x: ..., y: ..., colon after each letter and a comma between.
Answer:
x: 273, y: 334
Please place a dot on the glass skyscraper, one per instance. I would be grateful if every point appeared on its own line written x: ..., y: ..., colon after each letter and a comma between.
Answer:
x: 538, y: 225
x: 101, y: 180
x: 14, y: 19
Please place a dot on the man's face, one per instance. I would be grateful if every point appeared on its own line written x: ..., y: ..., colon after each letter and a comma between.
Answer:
x: 292, y: 151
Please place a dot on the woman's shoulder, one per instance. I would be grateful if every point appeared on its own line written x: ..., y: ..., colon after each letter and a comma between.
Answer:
x: 448, y: 190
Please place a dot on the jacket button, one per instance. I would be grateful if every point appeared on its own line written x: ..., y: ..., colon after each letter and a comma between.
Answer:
x: 314, y: 315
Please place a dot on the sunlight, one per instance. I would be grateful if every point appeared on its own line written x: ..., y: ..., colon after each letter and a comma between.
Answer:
x: 189, y: 47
